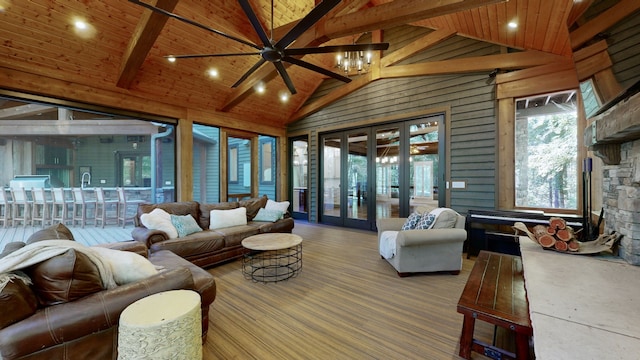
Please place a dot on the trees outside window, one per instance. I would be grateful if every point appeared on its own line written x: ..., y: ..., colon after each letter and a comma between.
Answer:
x: 546, y: 152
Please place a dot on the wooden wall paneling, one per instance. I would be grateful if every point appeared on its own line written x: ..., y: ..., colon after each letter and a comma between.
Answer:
x: 623, y: 39
x: 603, y: 22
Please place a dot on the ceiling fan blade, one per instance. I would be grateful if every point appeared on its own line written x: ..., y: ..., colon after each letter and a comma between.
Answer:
x: 257, y: 26
x: 208, y: 55
x: 336, y: 49
x: 315, y: 68
x: 249, y: 72
x: 191, y: 22
x: 285, y: 76
x: 306, y: 22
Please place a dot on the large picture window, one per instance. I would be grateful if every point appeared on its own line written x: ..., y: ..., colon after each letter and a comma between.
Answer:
x: 546, y: 152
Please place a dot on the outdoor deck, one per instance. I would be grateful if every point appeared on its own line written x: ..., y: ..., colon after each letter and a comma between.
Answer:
x: 89, y: 235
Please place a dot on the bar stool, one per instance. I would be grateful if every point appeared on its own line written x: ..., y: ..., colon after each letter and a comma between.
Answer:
x: 6, y: 208
x: 123, y: 205
x: 80, y: 206
x: 60, y: 207
x: 21, y: 206
x: 39, y: 207
x: 102, y: 206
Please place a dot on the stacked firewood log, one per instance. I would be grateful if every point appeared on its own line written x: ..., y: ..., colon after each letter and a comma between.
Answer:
x: 557, y: 235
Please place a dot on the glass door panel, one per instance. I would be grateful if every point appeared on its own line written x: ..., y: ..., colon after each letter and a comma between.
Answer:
x: 357, y: 168
x: 239, y: 168
x: 423, y: 162
x: 299, y: 177
x: 331, y: 178
x: 387, y: 186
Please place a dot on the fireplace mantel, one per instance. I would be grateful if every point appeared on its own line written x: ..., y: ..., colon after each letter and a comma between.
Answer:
x: 618, y: 124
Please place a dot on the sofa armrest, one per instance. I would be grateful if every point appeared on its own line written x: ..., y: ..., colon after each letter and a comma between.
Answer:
x: 148, y: 236
x: 66, y: 322
x: 389, y: 224
x: 130, y: 245
x: 430, y: 236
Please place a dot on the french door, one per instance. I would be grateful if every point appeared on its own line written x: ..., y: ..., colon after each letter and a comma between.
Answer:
x: 381, y: 171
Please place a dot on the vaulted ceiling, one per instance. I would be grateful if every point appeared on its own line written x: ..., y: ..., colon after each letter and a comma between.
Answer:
x: 123, y: 50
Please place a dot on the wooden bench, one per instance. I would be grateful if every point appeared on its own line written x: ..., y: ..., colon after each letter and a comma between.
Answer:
x: 495, y: 293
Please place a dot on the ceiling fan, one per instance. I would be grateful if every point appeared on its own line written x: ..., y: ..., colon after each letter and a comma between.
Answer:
x: 277, y: 52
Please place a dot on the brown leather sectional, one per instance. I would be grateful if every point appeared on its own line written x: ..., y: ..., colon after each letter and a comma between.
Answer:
x: 85, y: 324
x: 208, y: 247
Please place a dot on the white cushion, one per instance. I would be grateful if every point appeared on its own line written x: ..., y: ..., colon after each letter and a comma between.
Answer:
x: 126, y: 266
x: 226, y: 218
x: 159, y: 219
x: 388, y: 244
x: 445, y: 218
x: 274, y: 205
x: 268, y: 215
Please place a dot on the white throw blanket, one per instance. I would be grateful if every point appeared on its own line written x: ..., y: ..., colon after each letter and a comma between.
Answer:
x: 388, y: 244
x: 42, y: 250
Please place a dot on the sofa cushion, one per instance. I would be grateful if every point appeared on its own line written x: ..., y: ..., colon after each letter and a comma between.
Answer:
x: 194, y: 245
x: 185, y: 224
x: 426, y: 221
x: 283, y: 226
x: 268, y: 215
x: 17, y: 301
x: 411, y: 221
x: 205, y: 211
x: 445, y: 218
x: 126, y: 266
x: 175, y: 208
x: 274, y: 205
x: 158, y: 219
x: 11, y: 247
x: 253, y: 205
x: 65, y: 277
x: 57, y: 231
x: 226, y: 218
x: 234, y: 235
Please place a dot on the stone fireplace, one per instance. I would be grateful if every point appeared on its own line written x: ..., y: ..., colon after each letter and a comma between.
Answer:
x: 614, y: 136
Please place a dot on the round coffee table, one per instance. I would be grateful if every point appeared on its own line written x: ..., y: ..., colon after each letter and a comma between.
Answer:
x: 272, y: 257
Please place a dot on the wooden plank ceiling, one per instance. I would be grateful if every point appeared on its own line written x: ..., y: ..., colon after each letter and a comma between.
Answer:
x: 123, y: 50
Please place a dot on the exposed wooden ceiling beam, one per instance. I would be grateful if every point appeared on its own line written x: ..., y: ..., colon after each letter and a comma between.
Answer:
x: 396, y: 13
x: 417, y: 46
x: 509, y: 61
x: 145, y: 35
x: 602, y: 22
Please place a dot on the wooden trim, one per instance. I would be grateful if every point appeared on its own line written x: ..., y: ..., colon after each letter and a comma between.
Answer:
x: 184, y: 160
x: 606, y: 84
x: 224, y: 165
x: 602, y: 22
x: 505, y: 144
x: 550, y: 82
x: 592, y: 65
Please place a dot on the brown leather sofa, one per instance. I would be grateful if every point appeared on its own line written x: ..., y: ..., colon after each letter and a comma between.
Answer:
x: 208, y: 247
x: 87, y: 327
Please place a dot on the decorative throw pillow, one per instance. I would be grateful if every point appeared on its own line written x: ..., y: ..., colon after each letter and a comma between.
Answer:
x: 426, y: 220
x: 273, y: 205
x: 56, y: 231
x: 268, y: 215
x: 185, y: 224
x: 445, y: 218
x: 159, y: 219
x: 126, y: 266
x: 412, y: 221
x: 226, y: 218
x: 17, y: 301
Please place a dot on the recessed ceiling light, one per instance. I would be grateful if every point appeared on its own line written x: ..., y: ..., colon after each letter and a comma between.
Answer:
x: 513, y: 25
x: 212, y: 73
x: 80, y: 25
x: 284, y: 96
x: 260, y: 88
x: 171, y: 59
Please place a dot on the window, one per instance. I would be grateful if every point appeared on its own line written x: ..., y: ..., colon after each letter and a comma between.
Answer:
x: 267, y: 157
x: 546, y: 152
x: 233, y: 164
x: 590, y: 99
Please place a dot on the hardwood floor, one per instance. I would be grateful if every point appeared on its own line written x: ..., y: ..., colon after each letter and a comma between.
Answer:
x: 347, y: 303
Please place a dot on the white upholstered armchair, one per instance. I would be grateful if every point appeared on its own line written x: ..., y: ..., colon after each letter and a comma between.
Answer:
x: 436, y: 249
